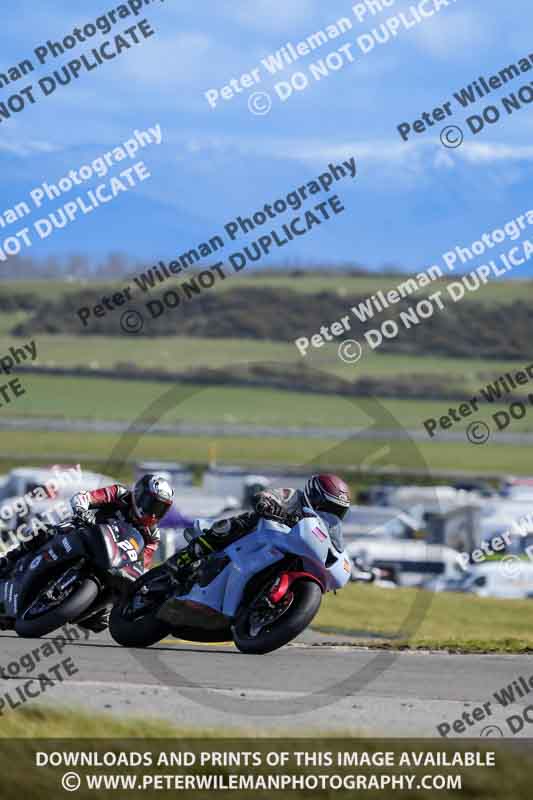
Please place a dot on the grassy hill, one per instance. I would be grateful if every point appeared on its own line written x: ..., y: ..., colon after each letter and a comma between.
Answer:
x: 110, y: 398
x: 308, y: 283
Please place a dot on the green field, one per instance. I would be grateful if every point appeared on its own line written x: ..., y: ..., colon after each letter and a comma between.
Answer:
x: 117, y: 399
x: 414, y: 618
x: 180, y: 353
x: 91, y: 447
x: 493, y: 292
x: 102, y: 398
x: 94, y: 398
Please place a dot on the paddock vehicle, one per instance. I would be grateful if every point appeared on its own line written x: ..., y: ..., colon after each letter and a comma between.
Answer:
x: 73, y: 577
x: 261, y: 591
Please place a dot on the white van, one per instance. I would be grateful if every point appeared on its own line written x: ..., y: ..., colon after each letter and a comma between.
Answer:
x: 413, y: 563
x: 506, y: 579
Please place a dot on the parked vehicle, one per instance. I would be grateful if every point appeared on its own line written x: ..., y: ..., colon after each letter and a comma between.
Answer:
x: 42, y: 493
x: 512, y: 580
x: 412, y: 563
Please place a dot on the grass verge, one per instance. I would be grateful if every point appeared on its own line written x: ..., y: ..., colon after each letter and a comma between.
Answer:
x: 299, y: 452
x: 438, y: 621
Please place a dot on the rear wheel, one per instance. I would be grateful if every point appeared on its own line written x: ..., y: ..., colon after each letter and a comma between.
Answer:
x: 262, y: 627
x: 35, y: 623
x: 134, y: 623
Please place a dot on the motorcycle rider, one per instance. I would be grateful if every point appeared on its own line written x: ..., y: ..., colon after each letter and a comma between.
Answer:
x: 143, y: 506
x: 322, y: 492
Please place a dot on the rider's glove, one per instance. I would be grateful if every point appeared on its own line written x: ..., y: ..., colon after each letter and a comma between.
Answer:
x: 268, y: 506
x: 85, y: 516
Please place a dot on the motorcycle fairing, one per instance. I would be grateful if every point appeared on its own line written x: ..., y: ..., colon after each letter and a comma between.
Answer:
x: 269, y: 543
x: 31, y: 569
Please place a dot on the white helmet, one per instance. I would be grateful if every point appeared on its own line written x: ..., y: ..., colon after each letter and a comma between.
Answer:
x: 152, y: 497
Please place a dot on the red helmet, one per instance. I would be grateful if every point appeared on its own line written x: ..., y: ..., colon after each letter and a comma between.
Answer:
x: 328, y: 493
x: 152, y: 497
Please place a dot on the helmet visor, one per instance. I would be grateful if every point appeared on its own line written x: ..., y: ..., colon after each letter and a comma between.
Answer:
x: 151, y: 506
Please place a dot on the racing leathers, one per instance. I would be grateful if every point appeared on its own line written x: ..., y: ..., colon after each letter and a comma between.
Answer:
x: 99, y: 505
x: 283, y: 505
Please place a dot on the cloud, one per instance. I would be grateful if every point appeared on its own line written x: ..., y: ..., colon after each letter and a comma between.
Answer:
x: 28, y: 148
x: 482, y: 153
x: 378, y: 159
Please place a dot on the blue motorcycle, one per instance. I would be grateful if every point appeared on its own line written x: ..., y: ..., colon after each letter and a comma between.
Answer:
x: 262, y: 591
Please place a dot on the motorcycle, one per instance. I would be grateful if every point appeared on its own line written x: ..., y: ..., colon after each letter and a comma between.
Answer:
x: 261, y: 591
x: 79, y: 572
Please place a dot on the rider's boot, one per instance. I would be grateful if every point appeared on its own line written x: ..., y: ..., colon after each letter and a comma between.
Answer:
x: 97, y: 622
x: 219, y: 536
x: 184, y: 562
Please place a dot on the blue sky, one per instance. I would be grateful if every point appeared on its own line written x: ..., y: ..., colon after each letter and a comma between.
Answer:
x: 410, y: 201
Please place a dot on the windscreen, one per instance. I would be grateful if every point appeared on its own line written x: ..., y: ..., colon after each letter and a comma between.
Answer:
x: 334, y: 526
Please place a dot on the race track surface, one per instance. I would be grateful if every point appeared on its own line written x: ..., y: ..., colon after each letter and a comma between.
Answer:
x: 318, y: 683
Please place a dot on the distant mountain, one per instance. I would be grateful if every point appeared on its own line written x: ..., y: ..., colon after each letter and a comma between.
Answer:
x: 407, y: 218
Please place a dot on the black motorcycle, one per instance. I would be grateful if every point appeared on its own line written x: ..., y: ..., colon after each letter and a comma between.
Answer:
x: 76, y: 575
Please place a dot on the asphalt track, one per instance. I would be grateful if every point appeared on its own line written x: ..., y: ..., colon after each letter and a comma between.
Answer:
x: 319, y: 683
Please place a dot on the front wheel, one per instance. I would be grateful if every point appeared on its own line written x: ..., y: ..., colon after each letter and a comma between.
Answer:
x: 36, y: 622
x: 142, y: 632
x: 260, y: 629
x: 134, y: 623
